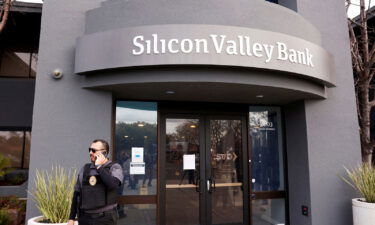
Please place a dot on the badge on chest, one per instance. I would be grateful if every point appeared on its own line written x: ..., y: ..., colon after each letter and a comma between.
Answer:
x: 92, y: 180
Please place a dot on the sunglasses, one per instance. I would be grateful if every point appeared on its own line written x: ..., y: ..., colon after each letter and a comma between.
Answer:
x: 95, y: 150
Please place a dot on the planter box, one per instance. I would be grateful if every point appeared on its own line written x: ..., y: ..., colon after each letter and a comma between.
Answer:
x: 19, y: 190
x: 35, y: 221
x: 363, y: 212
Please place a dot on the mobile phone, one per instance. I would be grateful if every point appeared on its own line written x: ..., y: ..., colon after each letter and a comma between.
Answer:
x: 105, y: 154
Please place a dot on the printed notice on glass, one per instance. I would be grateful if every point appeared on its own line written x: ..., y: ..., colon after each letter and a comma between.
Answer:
x: 137, y: 168
x: 137, y: 154
x: 189, y: 162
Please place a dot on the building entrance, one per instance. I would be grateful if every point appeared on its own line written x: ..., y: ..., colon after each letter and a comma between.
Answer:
x: 203, y: 163
x: 203, y: 169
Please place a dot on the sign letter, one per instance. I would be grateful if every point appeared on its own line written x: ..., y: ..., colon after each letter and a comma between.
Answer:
x: 139, y: 45
x: 282, y: 53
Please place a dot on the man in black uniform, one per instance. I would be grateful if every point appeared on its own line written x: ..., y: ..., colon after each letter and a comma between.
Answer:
x: 95, y: 192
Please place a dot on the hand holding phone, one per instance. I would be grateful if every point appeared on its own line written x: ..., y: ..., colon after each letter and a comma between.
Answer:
x: 100, y: 159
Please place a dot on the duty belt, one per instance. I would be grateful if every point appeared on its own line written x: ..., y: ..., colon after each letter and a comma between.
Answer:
x: 98, y: 215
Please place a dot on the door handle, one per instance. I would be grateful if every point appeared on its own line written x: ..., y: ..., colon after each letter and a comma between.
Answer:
x: 211, y: 185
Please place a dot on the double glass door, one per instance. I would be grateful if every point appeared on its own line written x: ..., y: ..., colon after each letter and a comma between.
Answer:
x: 203, y: 170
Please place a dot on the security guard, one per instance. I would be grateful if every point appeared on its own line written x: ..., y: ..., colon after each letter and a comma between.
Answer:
x: 95, y: 192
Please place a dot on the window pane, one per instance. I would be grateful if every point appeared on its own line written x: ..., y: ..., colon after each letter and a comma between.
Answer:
x: 268, y: 212
x: 26, y: 157
x: 15, y: 64
x: 267, y: 151
x: 34, y: 61
x: 140, y: 214
x: 136, y: 146
x: 11, y: 144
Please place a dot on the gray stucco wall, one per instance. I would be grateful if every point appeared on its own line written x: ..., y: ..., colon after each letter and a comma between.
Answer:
x: 332, y: 127
x: 297, y: 162
x: 16, y: 102
x: 66, y: 117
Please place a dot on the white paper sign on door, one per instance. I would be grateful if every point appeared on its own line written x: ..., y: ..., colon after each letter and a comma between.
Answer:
x: 189, y: 162
x: 137, y: 168
x: 137, y: 154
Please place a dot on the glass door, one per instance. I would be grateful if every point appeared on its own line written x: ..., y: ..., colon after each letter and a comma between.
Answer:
x: 182, y: 171
x: 203, y: 170
x: 226, y: 172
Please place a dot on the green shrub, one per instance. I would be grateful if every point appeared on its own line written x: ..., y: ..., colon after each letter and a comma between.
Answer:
x: 4, y: 165
x: 362, y: 179
x: 53, y: 193
x: 18, y: 179
x: 5, y: 218
x: 12, y: 202
x: 8, y: 203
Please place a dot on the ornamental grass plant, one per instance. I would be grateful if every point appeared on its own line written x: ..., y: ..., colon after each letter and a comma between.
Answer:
x: 362, y: 179
x: 53, y: 193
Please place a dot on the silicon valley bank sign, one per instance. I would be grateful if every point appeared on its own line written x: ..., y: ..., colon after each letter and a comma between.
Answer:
x: 210, y: 45
x: 220, y: 44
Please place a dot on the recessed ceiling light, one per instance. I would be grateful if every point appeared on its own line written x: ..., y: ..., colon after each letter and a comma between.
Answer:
x: 259, y: 96
x: 170, y: 92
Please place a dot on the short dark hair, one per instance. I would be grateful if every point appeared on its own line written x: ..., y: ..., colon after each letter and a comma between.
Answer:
x: 104, y: 143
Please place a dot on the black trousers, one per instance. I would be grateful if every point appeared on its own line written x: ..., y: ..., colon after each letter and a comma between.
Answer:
x: 106, y: 218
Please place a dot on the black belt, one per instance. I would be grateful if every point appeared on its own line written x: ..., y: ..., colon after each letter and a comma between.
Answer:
x: 98, y: 215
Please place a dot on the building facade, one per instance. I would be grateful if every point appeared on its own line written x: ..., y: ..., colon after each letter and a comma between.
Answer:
x: 220, y: 112
x: 18, y: 62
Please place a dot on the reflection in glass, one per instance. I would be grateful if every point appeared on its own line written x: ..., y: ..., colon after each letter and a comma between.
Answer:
x: 11, y: 146
x: 139, y: 214
x: 17, y: 64
x: 14, y: 145
x: 136, y: 127
x: 268, y: 211
x: 26, y: 156
x: 182, y: 196
x: 267, y: 153
x: 226, y: 154
x: 34, y: 63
